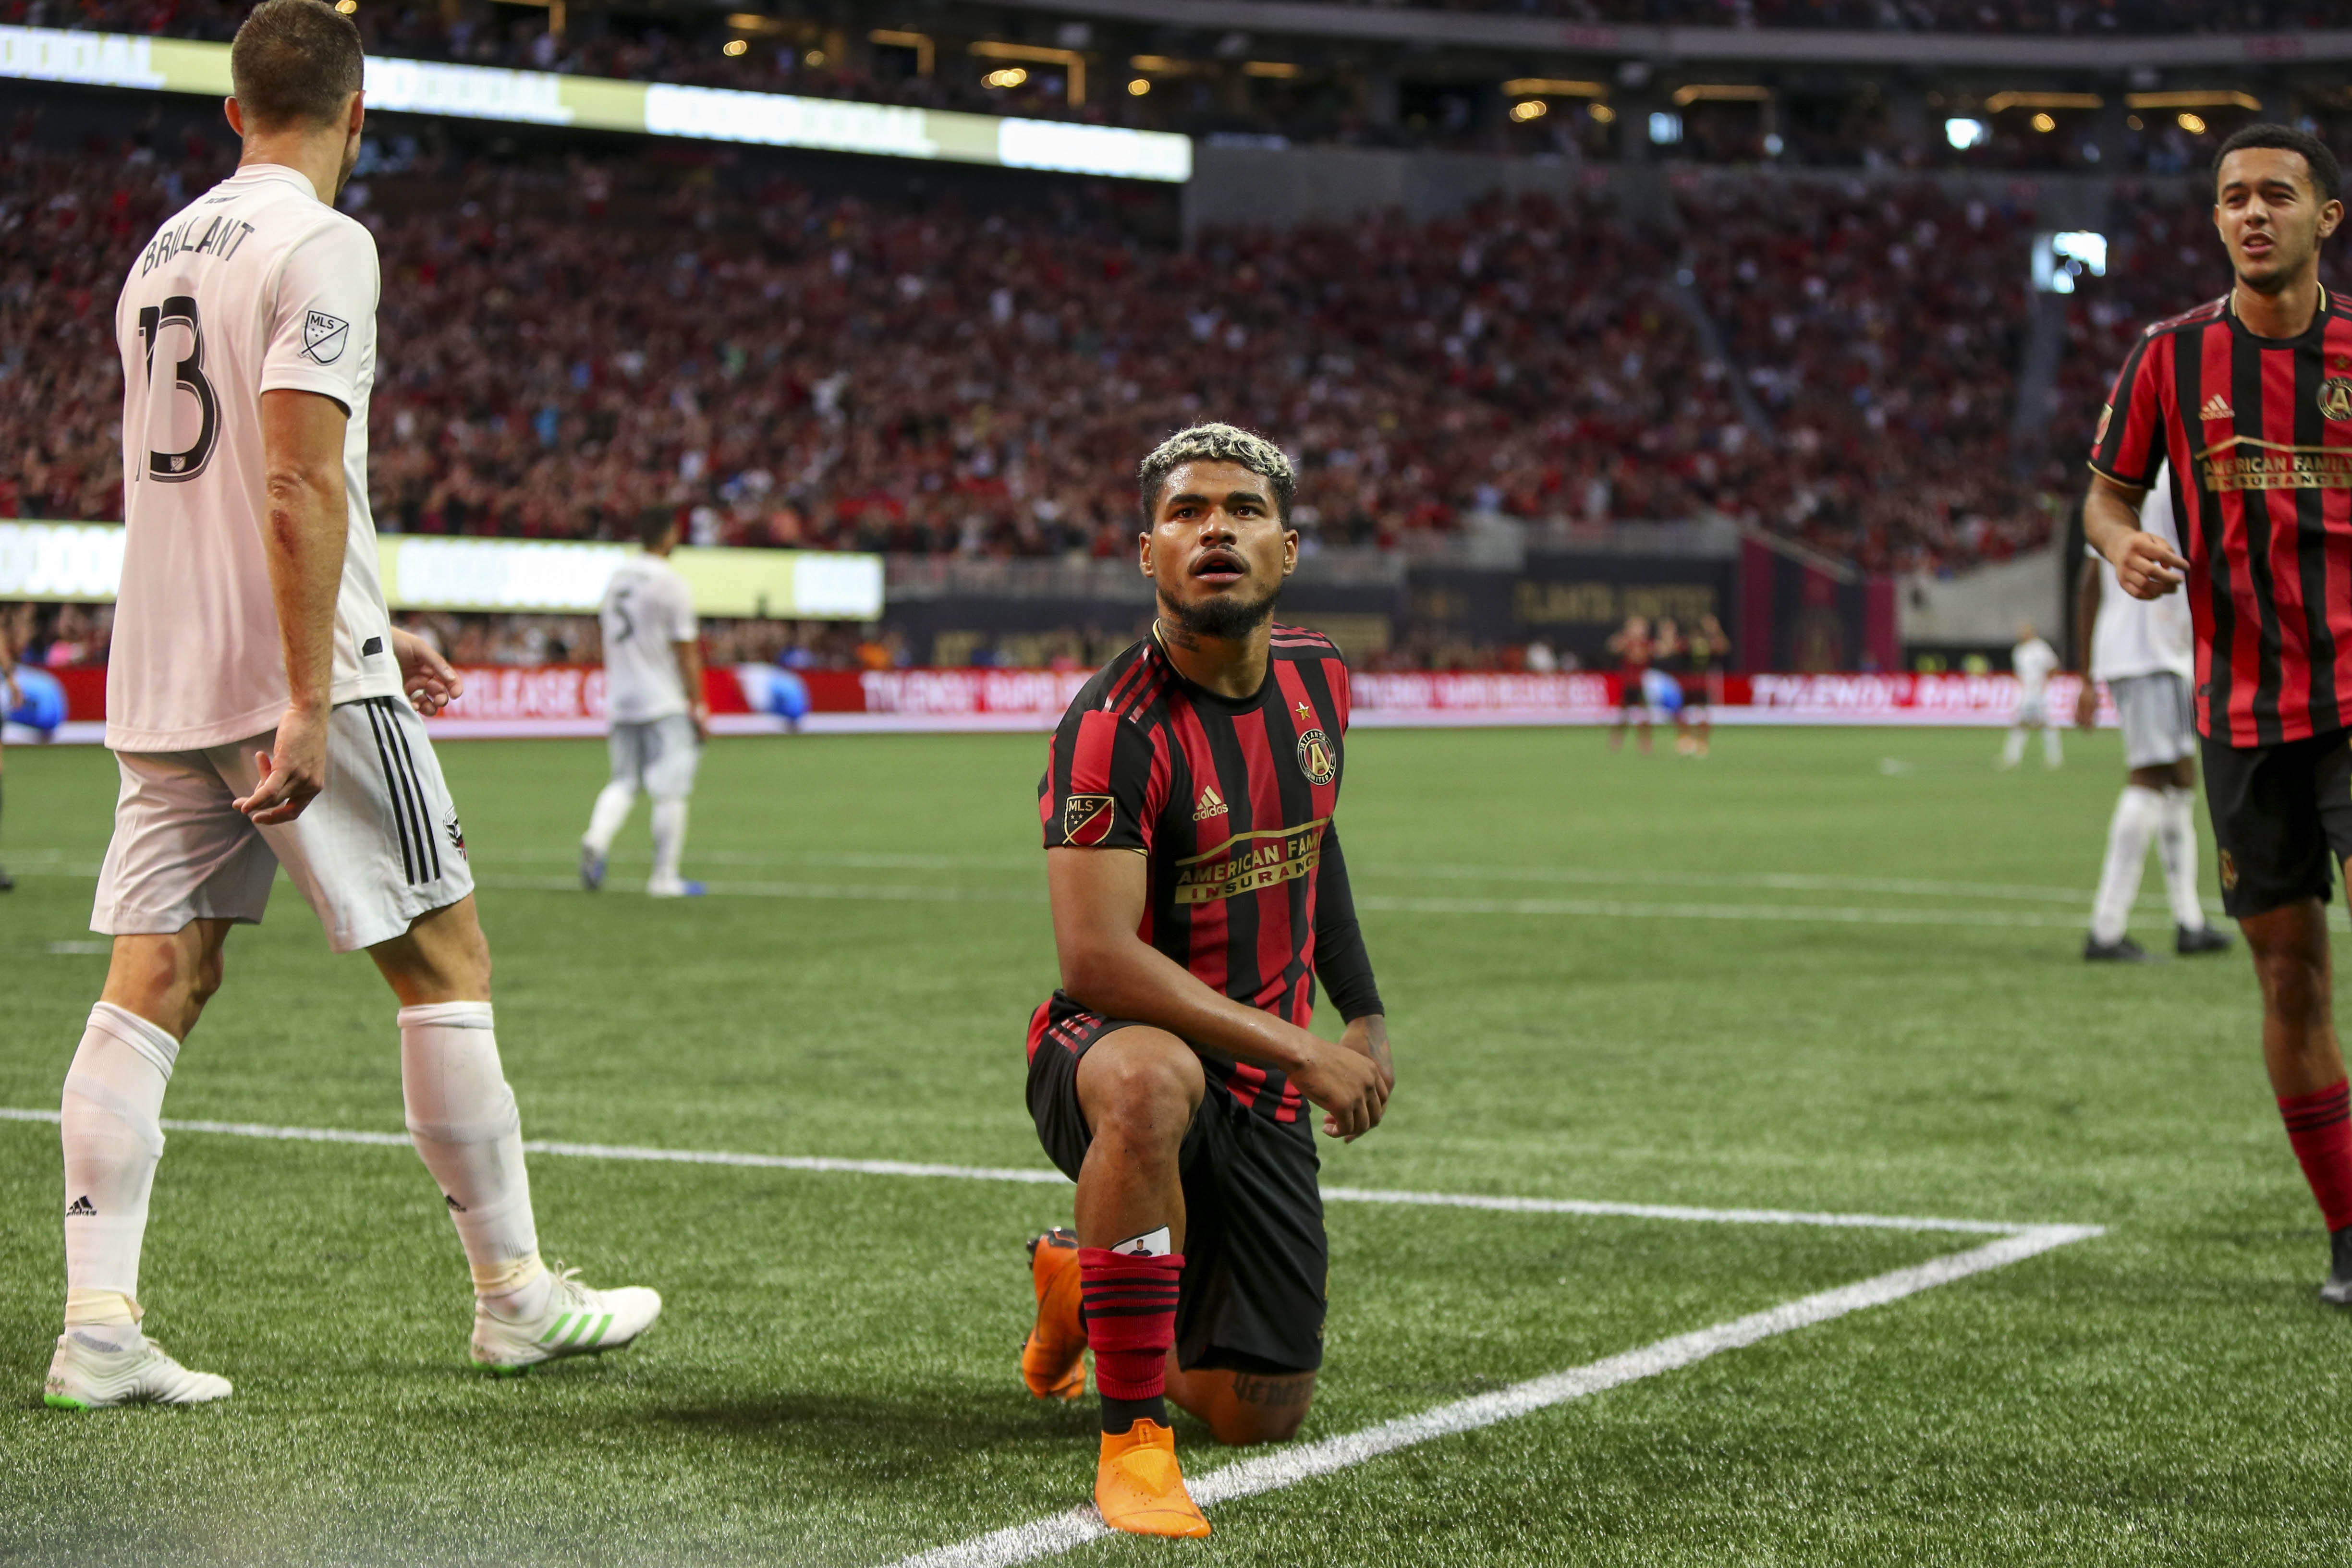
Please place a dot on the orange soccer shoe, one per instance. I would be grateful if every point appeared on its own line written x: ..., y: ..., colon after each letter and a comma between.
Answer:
x: 1053, y: 1361
x: 1138, y: 1488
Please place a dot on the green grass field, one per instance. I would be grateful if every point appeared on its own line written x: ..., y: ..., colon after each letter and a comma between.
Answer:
x: 1822, y: 971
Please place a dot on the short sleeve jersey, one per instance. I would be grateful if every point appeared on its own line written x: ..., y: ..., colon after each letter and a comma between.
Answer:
x: 2258, y: 432
x: 1229, y: 801
x: 2031, y: 662
x: 2142, y: 636
x: 649, y: 610
x: 256, y: 286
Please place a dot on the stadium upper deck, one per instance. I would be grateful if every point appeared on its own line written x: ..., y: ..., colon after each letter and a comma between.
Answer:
x: 1803, y: 82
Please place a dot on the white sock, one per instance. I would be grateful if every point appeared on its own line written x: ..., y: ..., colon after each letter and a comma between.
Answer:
x: 2053, y: 751
x: 112, y: 1138
x: 2013, y: 748
x: 2138, y: 813
x: 669, y: 840
x: 2176, y: 848
x: 612, y: 809
x: 462, y: 1118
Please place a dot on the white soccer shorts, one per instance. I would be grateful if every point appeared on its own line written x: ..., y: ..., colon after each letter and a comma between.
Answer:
x: 659, y: 755
x: 378, y: 847
x: 2158, y: 717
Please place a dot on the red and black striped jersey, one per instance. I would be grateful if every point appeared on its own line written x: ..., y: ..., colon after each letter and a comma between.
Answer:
x: 2259, y: 435
x: 1230, y: 801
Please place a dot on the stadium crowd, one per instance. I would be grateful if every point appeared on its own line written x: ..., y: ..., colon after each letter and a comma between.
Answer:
x: 564, y: 348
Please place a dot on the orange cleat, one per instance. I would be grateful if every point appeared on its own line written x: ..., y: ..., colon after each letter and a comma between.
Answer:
x: 1053, y: 1361
x: 1138, y: 1488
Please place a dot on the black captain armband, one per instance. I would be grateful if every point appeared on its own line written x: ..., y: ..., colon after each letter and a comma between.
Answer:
x: 1340, y: 961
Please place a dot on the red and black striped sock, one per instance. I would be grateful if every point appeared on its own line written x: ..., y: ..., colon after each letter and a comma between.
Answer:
x: 2320, y: 1127
x: 1129, y: 1303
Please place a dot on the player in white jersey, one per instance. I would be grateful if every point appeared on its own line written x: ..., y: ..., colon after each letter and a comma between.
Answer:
x: 652, y: 695
x: 2146, y: 651
x: 260, y: 706
x: 2033, y: 661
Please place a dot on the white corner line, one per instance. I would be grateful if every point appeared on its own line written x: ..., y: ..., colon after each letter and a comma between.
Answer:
x: 1057, y: 1533
x: 1032, y: 1177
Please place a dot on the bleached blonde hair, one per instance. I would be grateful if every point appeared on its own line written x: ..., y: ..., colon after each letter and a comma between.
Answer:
x: 1217, y: 444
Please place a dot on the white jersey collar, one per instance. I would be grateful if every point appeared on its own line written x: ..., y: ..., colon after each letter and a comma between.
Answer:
x: 249, y: 172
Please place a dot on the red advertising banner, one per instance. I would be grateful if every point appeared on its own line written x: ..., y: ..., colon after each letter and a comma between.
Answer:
x: 758, y: 699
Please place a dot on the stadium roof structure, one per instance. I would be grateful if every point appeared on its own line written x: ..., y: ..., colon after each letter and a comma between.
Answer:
x: 1429, y: 25
x: 598, y: 103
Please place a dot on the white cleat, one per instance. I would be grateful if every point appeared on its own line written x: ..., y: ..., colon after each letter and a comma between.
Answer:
x: 88, y: 1373
x: 576, y: 1321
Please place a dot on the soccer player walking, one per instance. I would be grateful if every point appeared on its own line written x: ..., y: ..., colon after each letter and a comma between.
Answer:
x: 1198, y: 894
x: 2249, y: 398
x: 653, y: 695
x: 255, y: 704
x: 2145, y: 651
x: 2033, y: 661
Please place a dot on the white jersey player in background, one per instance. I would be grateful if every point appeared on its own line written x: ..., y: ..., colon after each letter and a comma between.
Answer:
x: 2146, y: 651
x: 2033, y: 661
x: 653, y: 695
x: 255, y: 700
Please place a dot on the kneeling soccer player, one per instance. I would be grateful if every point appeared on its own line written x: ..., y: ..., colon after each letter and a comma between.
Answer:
x: 1198, y: 891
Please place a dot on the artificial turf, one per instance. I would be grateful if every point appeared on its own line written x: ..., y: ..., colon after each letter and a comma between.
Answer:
x: 1828, y: 970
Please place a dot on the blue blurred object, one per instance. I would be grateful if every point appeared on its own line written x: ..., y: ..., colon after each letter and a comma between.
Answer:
x: 42, y: 702
x: 767, y: 689
x: 1662, y: 691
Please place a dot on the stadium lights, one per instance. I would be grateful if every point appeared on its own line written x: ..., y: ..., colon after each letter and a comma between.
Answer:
x: 1666, y: 128
x: 595, y: 103
x: 1601, y: 113
x: 926, y: 53
x: 2060, y: 258
x: 2001, y: 102
x: 753, y: 22
x: 1277, y: 70
x: 735, y: 46
x: 1550, y: 86
x: 2194, y: 97
x: 1529, y: 108
x: 1963, y: 133
x: 2043, y: 122
x: 348, y: 7
x: 1701, y: 92
x: 2192, y: 123
x: 813, y: 59
x: 1073, y: 63
x: 1138, y: 87
x: 1011, y: 76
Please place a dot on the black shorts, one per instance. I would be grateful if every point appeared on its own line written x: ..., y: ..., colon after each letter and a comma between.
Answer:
x: 2282, y: 818
x: 1256, y: 1259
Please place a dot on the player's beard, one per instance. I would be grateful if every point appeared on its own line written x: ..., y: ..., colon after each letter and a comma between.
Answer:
x: 1227, y: 616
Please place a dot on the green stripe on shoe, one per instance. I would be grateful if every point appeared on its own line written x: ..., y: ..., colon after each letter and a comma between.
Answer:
x: 555, y: 1328
x: 574, y: 1338
x: 598, y: 1337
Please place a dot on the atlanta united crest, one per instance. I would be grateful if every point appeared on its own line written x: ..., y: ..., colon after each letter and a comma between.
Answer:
x: 1086, y: 820
x: 2335, y: 397
x: 1317, y: 758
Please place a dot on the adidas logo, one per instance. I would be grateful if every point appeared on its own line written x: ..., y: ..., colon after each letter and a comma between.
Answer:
x: 81, y: 1207
x: 2217, y: 407
x: 455, y: 1207
x: 1212, y: 804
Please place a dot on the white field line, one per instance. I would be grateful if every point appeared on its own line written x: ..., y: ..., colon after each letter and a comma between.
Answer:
x: 1047, y: 1177
x: 53, y: 862
x: 1058, y: 1533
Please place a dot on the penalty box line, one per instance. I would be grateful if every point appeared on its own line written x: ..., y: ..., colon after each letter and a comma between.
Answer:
x: 1037, y: 1177
x: 1059, y: 1533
